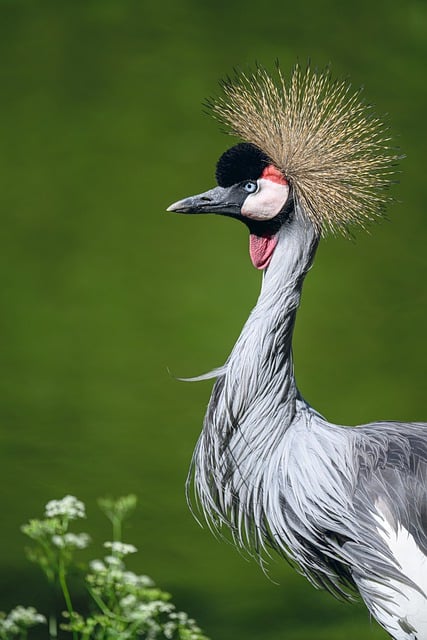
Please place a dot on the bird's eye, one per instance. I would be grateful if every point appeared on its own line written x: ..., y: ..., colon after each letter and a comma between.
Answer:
x: 250, y: 187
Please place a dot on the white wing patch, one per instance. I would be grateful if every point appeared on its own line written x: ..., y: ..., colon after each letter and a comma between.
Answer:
x: 400, y: 607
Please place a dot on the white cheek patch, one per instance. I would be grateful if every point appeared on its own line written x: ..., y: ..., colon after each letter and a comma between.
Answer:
x: 267, y: 202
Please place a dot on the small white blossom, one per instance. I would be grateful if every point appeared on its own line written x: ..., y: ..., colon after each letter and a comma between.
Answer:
x: 181, y: 617
x: 58, y: 541
x: 25, y: 616
x: 113, y: 561
x: 120, y: 548
x: 71, y: 540
x: 169, y: 629
x: 130, y: 578
x: 9, y: 626
x: 77, y: 540
x: 69, y: 506
x: 128, y: 601
x: 147, y: 611
x: 97, y: 566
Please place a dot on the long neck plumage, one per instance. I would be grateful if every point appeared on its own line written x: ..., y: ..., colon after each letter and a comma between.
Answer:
x: 260, y: 367
x: 253, y: 402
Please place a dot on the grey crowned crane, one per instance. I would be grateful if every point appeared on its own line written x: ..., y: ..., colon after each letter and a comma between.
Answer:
x: 347, y: 505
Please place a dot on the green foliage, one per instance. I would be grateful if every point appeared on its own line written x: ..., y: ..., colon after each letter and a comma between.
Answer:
x: 117, y: 511
x: 123, y: 605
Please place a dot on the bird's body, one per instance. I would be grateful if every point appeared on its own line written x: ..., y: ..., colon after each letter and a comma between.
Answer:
x: 338, y: 500
x: 348, y: 505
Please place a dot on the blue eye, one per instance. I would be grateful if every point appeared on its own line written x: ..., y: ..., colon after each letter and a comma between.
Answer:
x: 250, y: 187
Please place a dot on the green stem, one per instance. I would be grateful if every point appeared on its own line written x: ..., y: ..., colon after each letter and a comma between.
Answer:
x: 101, y: 604
x: 53, y: 627
x: 65, y: 591
x: 117, y: 529
x: 104, y: 608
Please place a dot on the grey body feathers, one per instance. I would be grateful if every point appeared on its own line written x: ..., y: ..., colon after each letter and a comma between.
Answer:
x: 280, y: 476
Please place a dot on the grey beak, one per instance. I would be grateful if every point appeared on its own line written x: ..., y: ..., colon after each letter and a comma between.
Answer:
x: 216, y: 200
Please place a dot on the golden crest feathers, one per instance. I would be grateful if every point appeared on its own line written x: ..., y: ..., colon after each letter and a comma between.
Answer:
x: 324, y: 138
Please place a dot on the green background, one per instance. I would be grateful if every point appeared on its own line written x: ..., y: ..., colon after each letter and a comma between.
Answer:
x: 105, y: 298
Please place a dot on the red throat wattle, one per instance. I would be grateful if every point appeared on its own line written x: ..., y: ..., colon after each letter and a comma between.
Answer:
x: 261, y: 250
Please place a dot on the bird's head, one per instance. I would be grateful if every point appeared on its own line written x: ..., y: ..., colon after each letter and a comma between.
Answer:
x: 314, y: 154
x: 250, y: 189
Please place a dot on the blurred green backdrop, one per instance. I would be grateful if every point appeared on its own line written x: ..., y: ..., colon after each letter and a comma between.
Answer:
x: 104, y: 296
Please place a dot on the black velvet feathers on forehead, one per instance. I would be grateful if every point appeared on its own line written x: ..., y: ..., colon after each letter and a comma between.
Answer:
x: 244, y: 161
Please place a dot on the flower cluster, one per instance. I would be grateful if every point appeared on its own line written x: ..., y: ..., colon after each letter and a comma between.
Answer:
x: 123, y: 605
x: 71, y: 540
x: 55, y: 544
x: 120, y: 548
x: 131, y: 604
x: 16, y: 623
x: 69, y: 507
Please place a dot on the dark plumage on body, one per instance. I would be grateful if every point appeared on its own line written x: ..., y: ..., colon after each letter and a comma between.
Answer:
x: 347, y: 505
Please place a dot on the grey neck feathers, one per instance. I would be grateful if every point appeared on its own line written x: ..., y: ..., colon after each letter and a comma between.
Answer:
x: 254, y: 399
x: 260, y: 366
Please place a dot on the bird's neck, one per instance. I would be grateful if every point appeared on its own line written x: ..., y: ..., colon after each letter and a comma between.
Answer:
x: 254, y: 399
x: 260, y: 366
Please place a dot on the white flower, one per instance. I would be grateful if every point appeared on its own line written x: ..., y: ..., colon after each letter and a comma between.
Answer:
x: 128, y: 601
x: 147, y: 610
x: 130, y: 578
x: 181, y: 616
x: 71, y: 540
x: 113, y: 561
x: 8, y: 626
x: 97, y: 566
x: 77, y: 540
x: 25, y: 617
x: 58, y: 541
x: 169, y: 629
x: 69, y: 506
x: 121, y: 548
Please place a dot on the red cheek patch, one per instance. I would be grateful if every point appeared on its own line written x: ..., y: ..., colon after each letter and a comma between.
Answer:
x: 271, y: 173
